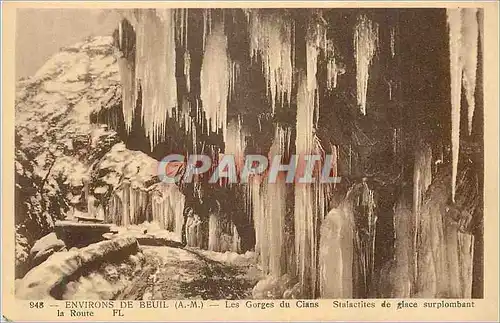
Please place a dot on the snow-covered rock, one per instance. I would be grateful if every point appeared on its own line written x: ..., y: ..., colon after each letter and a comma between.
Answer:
x: 44, y: 247
x: 41, y: 281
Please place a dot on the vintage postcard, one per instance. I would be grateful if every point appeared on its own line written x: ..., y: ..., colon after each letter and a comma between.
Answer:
x: 250, y: 161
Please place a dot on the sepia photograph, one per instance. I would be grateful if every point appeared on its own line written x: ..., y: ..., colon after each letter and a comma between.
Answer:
x: 249, y: 154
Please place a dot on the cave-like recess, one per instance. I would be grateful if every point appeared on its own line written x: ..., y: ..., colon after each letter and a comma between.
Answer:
x: 397, y: 199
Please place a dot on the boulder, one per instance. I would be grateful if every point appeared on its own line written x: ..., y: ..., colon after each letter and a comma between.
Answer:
x: 46, y: 280
x: 45, y: 247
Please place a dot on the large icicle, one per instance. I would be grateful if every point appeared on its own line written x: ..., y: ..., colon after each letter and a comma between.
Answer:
x: 269, y: 210
x: 167, y: 204
x: 304, y: 215
x: 333, y: 68
x: 393, y: 41
x: 215, y: 79
x: 187, y: 70
x: 422, y: 178
x: 181, y: 22
x: 126, y: 40
x: 155, y: 62
x: 336, y: 255
x: 235, y: 143
x: 470, y: 34
x: 271, y: 36
x: 309, y: 197
x: 464, y: 33
x: 454, y: 23
x: 365, y: 45
x: 276, y: 206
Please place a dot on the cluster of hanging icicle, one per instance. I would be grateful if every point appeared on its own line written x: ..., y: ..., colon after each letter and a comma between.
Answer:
x: 269, y: 211
x: 155, y: 69
x: 152, y: 73
x: 464, y: 34
x: 130, y: 204
x: 271, y: 37
x: 272, y: 34
x: 365, y: 46
x: 215, y: 78
x: 235, y: 145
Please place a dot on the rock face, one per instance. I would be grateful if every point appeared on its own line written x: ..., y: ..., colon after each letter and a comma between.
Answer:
x: 42, y: 281
x: 55, y: 140
x: 70, y: 162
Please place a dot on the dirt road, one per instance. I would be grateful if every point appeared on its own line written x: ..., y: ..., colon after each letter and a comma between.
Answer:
x: 183, y: 273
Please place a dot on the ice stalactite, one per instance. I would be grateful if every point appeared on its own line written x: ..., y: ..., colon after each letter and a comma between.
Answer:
x: 222, y: 238
x: 445, y: 244
x: 167, y: 206
x: 128, y: 205
x: 304, y: 213
x: 126, y: 63
x: 214, y: 232
x: 187, y: 70
x: 365, y: 46
x: 271, y: 35
x: 235, y: 74
x: 390, y: 85
x: 127, y: 81
x: 463, y: 35
x: 336, y: 255
x: 184, y: 117
x: 393, y: 41
x: 401, y: 276
x: 155, y: 69
x: 207, y: 25
x: 235, y: 143
x: 322, y: 189
x: 215, y: 79
x: 365, y: 219
x: 257, y: 195
x: 335, y: 161
x: 138, y: 204
x: 95, y: 210
x: 275, y: 209
x: 268, y: 203
x: 331, y: 72
x: 470, y: 34
x: 422, y: 178
x: 309, y: 197
x: 422, y: 175
x: 347, y: 246
x: 113, y: 211
x: 333, y: 68
x: 455, y: 24
x: 181, y: 26
x: 317, y: 43
x: 315, y: 40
